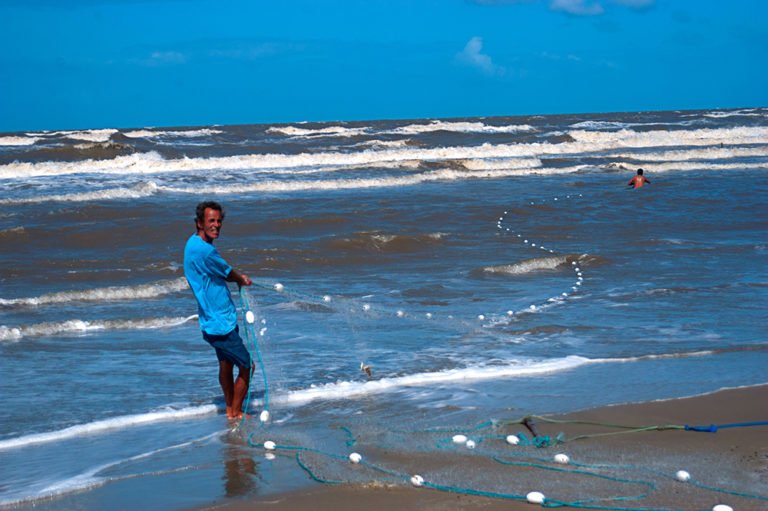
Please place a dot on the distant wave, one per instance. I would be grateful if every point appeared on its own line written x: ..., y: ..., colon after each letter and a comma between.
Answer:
x: 384, y: 143
x: 584, y: 142
x: 17, y: 141
x: 709, y: 153
x: 748, y: 112
x: 352, y: 184
x: 411, y: 129
x: 329, y: 131
x: 461, y: 127
x: 531, y: 265
x: 12, y: 231
x: 101, y: 135
x: 78, y: 325
x: 603, y: 125
x: 146, y: 133
x: 138, y: 191
x: 141, y: 291
x: 662, y: 138
x: 685, y: 165
x: 500, y: 163
x: 273, y: 186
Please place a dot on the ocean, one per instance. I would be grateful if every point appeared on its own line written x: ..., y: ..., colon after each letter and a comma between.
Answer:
x: 483, y: 268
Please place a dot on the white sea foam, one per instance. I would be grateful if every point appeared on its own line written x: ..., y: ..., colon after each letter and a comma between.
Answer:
x: 461, y: 127
x: 13, y: 230
x: 351, y: 184
x: 274, y: 186
x: 501, y: 163
x: 348, y: 389
x: 660, y: 356
x: 693, y: 165
x: 748, y: 112
x: 17, y: 141
x: 339, y: 390
x: 105, y: 425
x: 602, y: 125
x: 83, y: 326
x: 475, y: 169
x: 586, y: 142
x: 101, y: 135
x: 145, y: 133
x: 134, y: 192
x: 662, y: 138
x: 138, y: 292
x: 528, y: 266
x: 383, y: 143
x: 698, y: 153
x: 329, y: 131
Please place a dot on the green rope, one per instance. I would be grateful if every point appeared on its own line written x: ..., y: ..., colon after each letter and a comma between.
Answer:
x: 649, y: 484
x: 312, y: 474
x: 729, y: 492
x: 548, y: 502
x: 471, y: 491
x: 351, y: 440
x: 560, y: 503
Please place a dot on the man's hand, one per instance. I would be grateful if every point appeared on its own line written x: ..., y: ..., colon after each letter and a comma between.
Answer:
x: 236, y: 276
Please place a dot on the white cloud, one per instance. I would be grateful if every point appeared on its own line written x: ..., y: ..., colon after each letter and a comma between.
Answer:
x: 472, y: 56
x: 577, y: 7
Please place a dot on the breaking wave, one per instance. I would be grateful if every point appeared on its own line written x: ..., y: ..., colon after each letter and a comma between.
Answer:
x: 140, y: 292
x: 81, y: 326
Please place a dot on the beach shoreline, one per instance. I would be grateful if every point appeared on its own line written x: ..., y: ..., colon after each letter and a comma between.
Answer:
x: 721, y: 464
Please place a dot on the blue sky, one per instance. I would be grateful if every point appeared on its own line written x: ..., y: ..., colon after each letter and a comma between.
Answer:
x: 70, y: 64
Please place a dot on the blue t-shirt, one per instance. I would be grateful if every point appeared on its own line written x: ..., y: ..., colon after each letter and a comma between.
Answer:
x: 206, y: 272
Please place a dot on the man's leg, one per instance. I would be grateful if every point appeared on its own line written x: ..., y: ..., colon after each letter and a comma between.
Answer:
x: 226, y: 380
x: 240, y: 390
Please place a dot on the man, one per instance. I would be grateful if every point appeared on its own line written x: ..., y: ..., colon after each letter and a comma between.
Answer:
x: 207, y: 274
x: 639, y: 180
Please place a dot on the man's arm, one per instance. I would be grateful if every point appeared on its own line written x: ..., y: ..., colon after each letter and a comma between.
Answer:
x: 241, y: 279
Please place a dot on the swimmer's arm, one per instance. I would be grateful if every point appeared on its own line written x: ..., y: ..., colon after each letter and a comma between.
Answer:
x: 240, y: 278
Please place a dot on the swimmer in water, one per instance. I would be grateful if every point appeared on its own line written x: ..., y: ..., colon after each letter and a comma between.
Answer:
x: 639, y: 180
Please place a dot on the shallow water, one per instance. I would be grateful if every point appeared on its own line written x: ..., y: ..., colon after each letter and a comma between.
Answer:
x: 484, y: 268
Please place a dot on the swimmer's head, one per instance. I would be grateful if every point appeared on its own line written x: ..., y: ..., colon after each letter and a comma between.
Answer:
x: 639, y: 172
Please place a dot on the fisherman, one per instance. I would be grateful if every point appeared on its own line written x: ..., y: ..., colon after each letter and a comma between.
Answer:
x: 638, y: 180
x: 207, y: 274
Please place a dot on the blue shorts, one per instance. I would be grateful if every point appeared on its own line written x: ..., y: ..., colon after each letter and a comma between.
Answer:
x: 230, y: 347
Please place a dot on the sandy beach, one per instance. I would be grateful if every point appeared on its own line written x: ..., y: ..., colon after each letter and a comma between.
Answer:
x: 729, y: 466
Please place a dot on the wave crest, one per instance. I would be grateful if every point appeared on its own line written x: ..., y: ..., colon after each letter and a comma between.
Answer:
x: 139, y: 292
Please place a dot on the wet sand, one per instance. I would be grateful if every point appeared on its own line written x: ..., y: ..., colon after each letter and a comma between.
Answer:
x: 625, y: 469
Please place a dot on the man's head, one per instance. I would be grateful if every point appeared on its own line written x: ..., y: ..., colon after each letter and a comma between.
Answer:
x: 639, y: 172
x: 209, y: 216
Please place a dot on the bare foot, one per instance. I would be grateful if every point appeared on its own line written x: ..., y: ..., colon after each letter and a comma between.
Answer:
x: 239, y: 416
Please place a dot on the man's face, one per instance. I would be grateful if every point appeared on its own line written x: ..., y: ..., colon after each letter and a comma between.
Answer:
x: 211, y: 225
